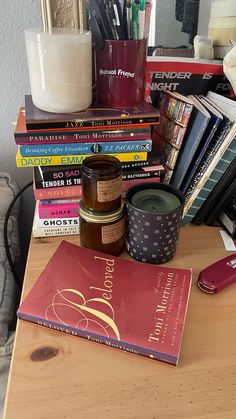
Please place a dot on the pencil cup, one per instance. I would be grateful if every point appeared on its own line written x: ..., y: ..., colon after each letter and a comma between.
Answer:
x: 154, y: 214
x: 120, y: 73
x: 60, y: 69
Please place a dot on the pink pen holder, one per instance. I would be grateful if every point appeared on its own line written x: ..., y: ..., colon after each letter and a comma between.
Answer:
x: 120, y: 73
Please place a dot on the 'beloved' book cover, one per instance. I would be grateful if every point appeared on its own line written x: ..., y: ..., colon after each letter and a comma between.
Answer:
x: 136, y: 307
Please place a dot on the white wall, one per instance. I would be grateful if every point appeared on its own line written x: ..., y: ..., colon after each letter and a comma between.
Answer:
x: 204, y: 15
x: 15, y: 16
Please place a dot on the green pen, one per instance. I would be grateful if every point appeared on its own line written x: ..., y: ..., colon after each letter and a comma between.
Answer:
x: 134, y: 21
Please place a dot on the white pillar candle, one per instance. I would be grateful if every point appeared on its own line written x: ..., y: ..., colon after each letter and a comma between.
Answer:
x: 60, y: 69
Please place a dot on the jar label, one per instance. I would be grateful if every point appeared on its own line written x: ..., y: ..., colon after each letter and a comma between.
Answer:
x: 113, y: 232
x: 108, y: 190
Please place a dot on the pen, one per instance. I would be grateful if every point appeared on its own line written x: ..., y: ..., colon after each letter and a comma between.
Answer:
x: 97, y: 36
x: 134, y: 21
x: 128, y: 19
x: 141, y: 18
x: 110, y: 20
x: 119, y: 19
x: 96, y: 12
x: 125, y: 19
x: 148, y: 8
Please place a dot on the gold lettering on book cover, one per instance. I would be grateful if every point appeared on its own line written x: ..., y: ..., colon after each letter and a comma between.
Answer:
x: 160, y: 322
x: 94, y: 314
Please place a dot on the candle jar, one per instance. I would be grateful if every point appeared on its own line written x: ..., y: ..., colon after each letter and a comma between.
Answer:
x: 101, y: 183
x: 154, y: 214
x: 60, y: 69
x: 102, y: 232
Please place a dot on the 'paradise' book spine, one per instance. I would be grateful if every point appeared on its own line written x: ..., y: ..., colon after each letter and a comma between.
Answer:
x: 50, y: 137
x: 71, y: 159
x: 107, y: 147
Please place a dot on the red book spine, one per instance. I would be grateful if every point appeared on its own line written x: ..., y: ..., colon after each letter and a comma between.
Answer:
x: 57, y: 193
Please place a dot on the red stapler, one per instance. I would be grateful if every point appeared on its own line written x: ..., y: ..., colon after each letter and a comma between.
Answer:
x: 218, y: 275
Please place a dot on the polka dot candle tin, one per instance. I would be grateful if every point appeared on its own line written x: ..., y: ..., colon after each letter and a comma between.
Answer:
x: 154, y: 214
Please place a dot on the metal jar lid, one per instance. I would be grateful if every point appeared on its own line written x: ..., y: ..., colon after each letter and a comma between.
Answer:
x: 99, y: 217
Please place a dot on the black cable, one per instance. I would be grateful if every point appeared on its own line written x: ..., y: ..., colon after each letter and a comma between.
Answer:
x: 8, y: 253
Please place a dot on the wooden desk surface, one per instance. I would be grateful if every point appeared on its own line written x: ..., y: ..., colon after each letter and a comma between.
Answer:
x: 55, y: 376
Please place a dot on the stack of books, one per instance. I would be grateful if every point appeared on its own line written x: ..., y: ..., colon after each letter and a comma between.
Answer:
x: 55, y: 145
x: 206, y: 158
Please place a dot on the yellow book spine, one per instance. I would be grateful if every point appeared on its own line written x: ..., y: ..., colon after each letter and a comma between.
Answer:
x: 72, y: 159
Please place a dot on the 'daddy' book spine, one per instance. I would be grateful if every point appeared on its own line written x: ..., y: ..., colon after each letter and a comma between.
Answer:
x: 108, y: 147
x: 71, y: 159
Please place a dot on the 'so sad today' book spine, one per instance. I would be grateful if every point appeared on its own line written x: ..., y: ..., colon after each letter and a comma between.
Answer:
x: 135, y: 307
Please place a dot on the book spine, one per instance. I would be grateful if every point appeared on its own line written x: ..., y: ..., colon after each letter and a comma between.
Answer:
x: 150, y: 120
x: 56, y: 222
x: 52, y: 231
x: 70, y: 159
x: 112, y: 343
x: 176, y: 109
x: 168, y: 152
x: 58, y: 210
x: 108, y: 147
x: 47, y: 137
x: 41, y: 183
x: 58, y: 183
x: 228, y: 223
x: 58, y: 193
x: 171, y: 130
x: 215, y: 171
x: 141, y: 163
x: 142, y: 174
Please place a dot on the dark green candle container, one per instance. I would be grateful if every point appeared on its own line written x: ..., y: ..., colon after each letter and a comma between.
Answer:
x: 154, y: 215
